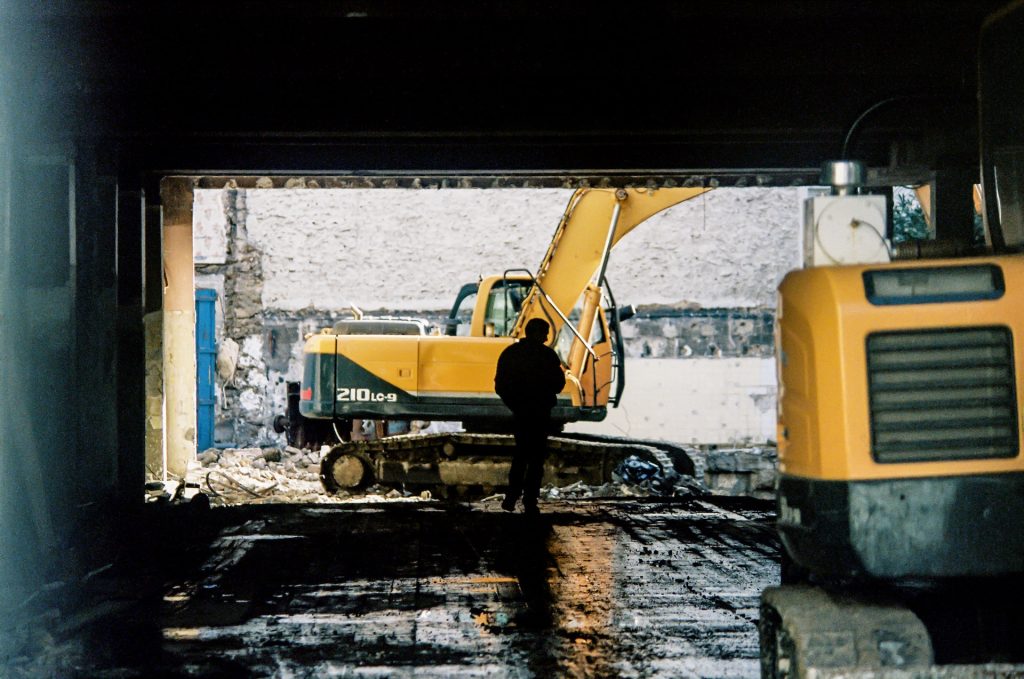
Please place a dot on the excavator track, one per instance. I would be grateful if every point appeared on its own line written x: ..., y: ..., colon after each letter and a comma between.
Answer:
x: 457, y: 461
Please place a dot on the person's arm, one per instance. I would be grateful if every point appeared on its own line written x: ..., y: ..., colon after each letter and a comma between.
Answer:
x: 557, y: 375
x: 501, y: 376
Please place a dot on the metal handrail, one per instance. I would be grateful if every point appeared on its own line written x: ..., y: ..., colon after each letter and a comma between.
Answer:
x: 547, y: 297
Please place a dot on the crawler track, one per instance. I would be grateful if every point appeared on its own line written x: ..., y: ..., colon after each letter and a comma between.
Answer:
x: 464, y: 460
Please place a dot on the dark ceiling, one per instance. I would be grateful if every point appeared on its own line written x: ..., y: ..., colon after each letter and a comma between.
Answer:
x: 475, y: 86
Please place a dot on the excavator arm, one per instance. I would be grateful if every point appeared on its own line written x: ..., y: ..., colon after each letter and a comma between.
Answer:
x: 594, y: 221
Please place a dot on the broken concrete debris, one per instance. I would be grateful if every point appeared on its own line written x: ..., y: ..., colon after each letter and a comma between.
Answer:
x: 234, y: 476
x: 258, y: 475
x: 742, y: 471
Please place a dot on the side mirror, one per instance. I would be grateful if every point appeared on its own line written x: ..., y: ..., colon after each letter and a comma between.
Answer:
x: 626, y: 312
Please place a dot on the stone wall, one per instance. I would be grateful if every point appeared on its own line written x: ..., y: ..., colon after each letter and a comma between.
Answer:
x: 286, y: 262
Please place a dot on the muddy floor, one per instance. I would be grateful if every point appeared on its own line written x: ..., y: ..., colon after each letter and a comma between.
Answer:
x: 601, y: 588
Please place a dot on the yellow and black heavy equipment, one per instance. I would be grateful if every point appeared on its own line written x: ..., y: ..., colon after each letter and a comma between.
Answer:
x: 450, y: 377
x: 901, y: 485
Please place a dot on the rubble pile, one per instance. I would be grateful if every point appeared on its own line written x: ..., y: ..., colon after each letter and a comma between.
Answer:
x: 259, y: 476
x: 235, y: 476
x: 31, y: 640
x: 271, y: 475
x: 612, y: 489
x: 633, y: 477
x: 749, y: 472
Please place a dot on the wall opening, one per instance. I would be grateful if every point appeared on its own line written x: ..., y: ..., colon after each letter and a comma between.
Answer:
x: 285, y: 258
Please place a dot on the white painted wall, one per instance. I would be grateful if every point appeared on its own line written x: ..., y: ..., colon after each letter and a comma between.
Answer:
x: 730, y: 248
x: 699, y: 400
x: 412, y: 248
x: 209, y: 227
x: 400, y: 248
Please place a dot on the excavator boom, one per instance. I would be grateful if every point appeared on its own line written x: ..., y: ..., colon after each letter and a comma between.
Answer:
x: 594, y: 221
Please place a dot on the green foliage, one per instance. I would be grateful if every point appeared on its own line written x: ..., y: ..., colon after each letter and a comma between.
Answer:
x: 908, y: 222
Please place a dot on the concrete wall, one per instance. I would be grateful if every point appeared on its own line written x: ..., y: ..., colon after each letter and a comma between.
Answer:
x: 289, y: 261
x: 59, y: 439
x: 698, y: 401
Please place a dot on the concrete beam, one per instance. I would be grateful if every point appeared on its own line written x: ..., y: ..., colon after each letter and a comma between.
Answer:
x: 519, y: 179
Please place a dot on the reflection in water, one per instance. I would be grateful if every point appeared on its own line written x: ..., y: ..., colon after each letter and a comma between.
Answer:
x: 582, y: 594
x: 565, y: 575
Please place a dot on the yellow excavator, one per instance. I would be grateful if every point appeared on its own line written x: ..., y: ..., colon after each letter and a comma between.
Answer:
x: 349, y: 375
x: 390, y: 371
x: 901, y: 476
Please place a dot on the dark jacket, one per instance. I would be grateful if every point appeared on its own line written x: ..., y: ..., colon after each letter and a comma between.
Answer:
x: 529, y: 375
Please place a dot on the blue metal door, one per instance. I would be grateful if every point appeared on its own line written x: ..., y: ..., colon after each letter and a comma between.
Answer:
x: 206, y: 361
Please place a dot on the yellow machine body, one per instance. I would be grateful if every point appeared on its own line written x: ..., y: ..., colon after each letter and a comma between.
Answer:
x: 824, y: 322
x: 900, y: 422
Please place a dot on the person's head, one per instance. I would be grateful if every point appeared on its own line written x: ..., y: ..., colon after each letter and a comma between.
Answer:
x: 537, y: 329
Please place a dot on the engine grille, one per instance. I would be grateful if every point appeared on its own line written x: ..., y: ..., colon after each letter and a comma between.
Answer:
x: 942, y: 395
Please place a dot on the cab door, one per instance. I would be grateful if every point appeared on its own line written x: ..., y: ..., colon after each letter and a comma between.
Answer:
x: 590, y: 370
x: 596, y: 377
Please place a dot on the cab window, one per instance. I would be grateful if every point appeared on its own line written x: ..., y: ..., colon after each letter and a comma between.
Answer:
x: 563, y: 344
x: 503, y: 305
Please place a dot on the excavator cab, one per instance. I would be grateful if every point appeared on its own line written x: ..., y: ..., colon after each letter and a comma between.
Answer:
x: 504, y: 302
x: 459, y: 318
x: 503, y: 299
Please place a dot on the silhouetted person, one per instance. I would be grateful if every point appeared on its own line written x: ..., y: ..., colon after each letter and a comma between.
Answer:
x: 528, y: 377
